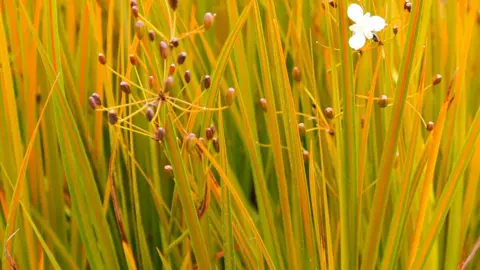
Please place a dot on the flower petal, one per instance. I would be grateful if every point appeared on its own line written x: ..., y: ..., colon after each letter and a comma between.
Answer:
x: 368, y: 33
x: 354, y: 28
x: 357, y: 41
x: 355, y: 12
x: 376, y: 23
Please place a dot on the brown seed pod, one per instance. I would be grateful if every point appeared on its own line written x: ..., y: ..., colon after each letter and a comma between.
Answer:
x: 97, y: 99
x: 174, y: 42
x: 140, y: 29
x: 301, y: 129
x: 208, y: 19
x: 191, y: 141
x: 159, y: 134
x: 181, y: 58
x: 171, y: 69
x: 149, y: 113
x: 151, y: 35
x: 331, y: 132
x: 163, y: 49
x: 187, y: 76
x: 332, y: 3
x: 407, y: 6
x: 101, y: 59
x: 230, y: 96
x: 306, y: 155
x: 383, y: 101
x: 125, y: 87
x: 395, y: 29
x: 329, y: 113
x: 112, y: 117
x: 216, y: 145
x: 212, y: 127
x: 92, y: 103
x: 151, y: 80
x: 207, y: 81
x: 209, y: 133
x: 173, y: 4
x: 263, y: 104
x: 296, y: 74
x: 430, y: 126
x: 436, y: 79
x: 168, y: 83
x: 168, y: 170
x: 135, y: 11
x: 133, y: 59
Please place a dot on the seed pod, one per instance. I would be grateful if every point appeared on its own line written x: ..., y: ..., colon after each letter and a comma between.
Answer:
x: 98, y: 100
x: 383, y: 101
x: 263, y: 104
x: 191, y: 141
x: 209, y: 133
x: 407, y: 6
x: 125, y: 87
x: 181, y: 58
x: 230, y: 96
x: 174, y: 42
x: 212, y: 127
x: 305, y: 155
x: 92, y: 103
x: 102, y: 59
x: 331, y: 132
x: 207, y: 81
x: 112, y: 117
x: 329, y: 113
x: 135, y: 11
x: 430, y: 126
x: 163, y: 49
x: 149, y: 113
x: 332, y: 3
x: 133, y: 59
x: 208, y: 19
x: 216, y: 145
x: 171, y: 69
x: 151, y: 35
x: 296, y: 74
x: 168, y: 170
x: 436, y: 79
x: 173, y: 4
x: 160, y: 134
x: 362, y: 122
x: 187, y: 76
x: 301, y: 129
x: 140, y: 29
x: 151, y: 80
x: 168, y: 83
x: 395, y: 29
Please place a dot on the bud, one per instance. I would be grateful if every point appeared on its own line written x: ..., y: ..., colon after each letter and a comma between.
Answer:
x: 208, y: 19
x: 395, y: 29
x: 140, y: 29
x: 430, y: 126
x: 191, y: 141
x: 263, y: 104
x: 331, y: 132
x: 209, y: 133
x: 329, y: 113
x: 168, y: 170
x: 102, y: 59
x: 174, y: 42
x: 207, y: 82
x: 171, y: 69
x: 383, y: 101
x: 301, y: 129
x: 159, y: 134
x: 112, y: 117
x: 230, y: 96
x: 97, y: 99
x: 151, y: 35
x: 163, y: 49
x: 306, y: 155
x: 151, y: 80
x: 216, y: 145
x: 296, y: 74
x: 91, y: 102
x: 173, y: 4
x: 135, y: 11
x: 407, y: 6
x: 436, y: 79
x: 187, y: 76
x: 133, y: 59
x: 212, y: 127
x: 125, y: 87
x: 181, y: 58
x: 149, y: 113
x: 332, y: 3
x: 168, y: 83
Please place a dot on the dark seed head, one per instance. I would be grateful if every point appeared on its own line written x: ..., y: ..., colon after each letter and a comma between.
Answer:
x: 168, y: 170
x: 329, y: 113
x: 102, y: 59
x: 181, y: 58
x: 209, y: 133
x: 230, y: 97
x: 173, y: 4
x: 97, y: 99
x: 263, y: 104
x: 140, y: 29
x: 383, y: 101
x: 171, y: 69
x: 91, y: 102
x: 296, y: 74
x: 191, y: 141
x: 160, y: 134
x: 430, y: 126
x: 174, y: 42
x: 208, y: 19
x: 125, y: 87
x: 436, y: 79
x: 212, y: 127
x: 207, y: 81
x: 151, y: 80
x: 407, y: 6
x: 187, y: 76
x: 112, y: 117
x: 332, y: 3
x: 301, y: 129
x: 331, y: 132
x: 151, y: 35
x: 306, y: 155
x: 395, y: 29
x: 216, y: 145
x: 164, y: 49
x: 135, y: 11
x: 133, y: 59
x: 168, y: 83
x: 149, y: 113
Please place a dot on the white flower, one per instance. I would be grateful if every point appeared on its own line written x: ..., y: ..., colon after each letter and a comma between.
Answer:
x: 365, y: 26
